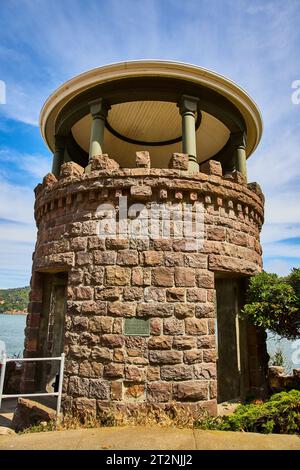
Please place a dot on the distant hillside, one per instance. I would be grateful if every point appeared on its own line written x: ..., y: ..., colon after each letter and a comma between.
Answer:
x: 14, y: 300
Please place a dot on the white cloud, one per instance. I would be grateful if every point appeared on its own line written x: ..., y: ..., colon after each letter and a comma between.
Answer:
x: 36, y: 166
x: 16, y: 203
x: 274, y: 232
x: 278, y: 266
x: 283, y: 250
x: 17, y: 234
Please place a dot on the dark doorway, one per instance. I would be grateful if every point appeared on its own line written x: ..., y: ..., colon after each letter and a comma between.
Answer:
x: 52, y: 326
x: 232, y: 357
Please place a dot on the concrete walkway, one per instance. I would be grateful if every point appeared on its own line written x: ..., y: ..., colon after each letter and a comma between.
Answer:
x: 148, y: 438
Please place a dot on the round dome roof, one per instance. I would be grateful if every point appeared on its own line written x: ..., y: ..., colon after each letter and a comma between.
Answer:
x: 143, y: 96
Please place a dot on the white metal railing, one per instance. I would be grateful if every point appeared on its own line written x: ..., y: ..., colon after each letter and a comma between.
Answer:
x: 5, y: 360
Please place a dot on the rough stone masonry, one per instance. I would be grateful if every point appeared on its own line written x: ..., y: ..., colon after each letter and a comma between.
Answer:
x: 167, y: 281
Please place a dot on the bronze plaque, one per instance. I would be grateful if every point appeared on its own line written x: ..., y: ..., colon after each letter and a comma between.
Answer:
x: 137, y: 327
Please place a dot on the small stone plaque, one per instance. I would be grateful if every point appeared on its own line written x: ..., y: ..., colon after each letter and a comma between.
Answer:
x: 137, y: 327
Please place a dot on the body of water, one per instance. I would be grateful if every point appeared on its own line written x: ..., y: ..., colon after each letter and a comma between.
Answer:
x: 12, y: 333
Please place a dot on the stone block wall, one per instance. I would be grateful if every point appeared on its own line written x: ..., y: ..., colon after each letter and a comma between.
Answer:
x: 168, y: 281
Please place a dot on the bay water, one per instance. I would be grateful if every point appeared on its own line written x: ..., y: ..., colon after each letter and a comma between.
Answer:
x: 12, y: 333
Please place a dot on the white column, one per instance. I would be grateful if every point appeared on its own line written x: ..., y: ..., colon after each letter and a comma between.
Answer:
x: 99, y: 110
x: 239, y: 142
x: 188, y: 108
x: 58, y: 156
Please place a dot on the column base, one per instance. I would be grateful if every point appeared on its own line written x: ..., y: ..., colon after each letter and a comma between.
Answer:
x: 193, y: 166
x: 88, y: 169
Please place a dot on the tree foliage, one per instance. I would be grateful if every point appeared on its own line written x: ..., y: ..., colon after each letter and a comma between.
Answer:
x: 14, y: 299
x: 273, y: 303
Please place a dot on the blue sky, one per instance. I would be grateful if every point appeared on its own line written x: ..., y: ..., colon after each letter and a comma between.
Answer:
x: 45, y: 42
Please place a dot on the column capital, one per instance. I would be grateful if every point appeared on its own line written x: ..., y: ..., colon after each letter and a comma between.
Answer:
x: 99, y: 108
x: 239, y: 139
x: 188, y: 104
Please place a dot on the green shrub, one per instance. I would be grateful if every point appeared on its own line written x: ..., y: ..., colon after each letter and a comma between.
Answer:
x: 277, y: 359
x: 280, y: 415
x: 273, y: 303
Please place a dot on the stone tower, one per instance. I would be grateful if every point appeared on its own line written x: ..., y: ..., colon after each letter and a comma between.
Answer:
x: 146, y: 310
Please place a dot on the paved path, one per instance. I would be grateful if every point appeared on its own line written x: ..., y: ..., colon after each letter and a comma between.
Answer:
x: 151, y: 438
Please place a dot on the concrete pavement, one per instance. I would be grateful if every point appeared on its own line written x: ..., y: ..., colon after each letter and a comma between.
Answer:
x: 148, y: 438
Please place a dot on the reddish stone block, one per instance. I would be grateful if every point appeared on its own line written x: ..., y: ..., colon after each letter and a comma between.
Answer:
x: 155, y: 326
x: 209, y: 355
x: 105, y: 257
x: 142, y: 159
x: 184, y: 277
x: 116, y: 390
x: 179, y: 161
x: 119, y: 355
x: 193, y: 390
x: 78, y: 387
x: 154, y: 309
x: 172, y: 326
x: 108, y: 293
x: 205, y: 310
x: 153, y: 373
x: 196, y: 260
x: 135, y: 374
x: 133, y: 293
x: 153, y: 258
x: 158, y: 392
x: 192, y: 356
x: 160, y: 342
x: 163, y: 277
x: 103, y: 162
x: 141, y: 192
x: 101, y: 325
x: 84, y: 293
x: 175, y: 294
x: 184, y: 310
x: 216, y: 233
x: 90, y: 369
x: 196, y: 295
x: 71, y: 170
x: 101, y: 354
x: 141, y: 276
x: 174, y: 259
x: 205, y: 280
x: 128, y: 258
x: 112, y: 341
x: 184, y: 342
x: 211, y: 167
x: 117, y: 276
x: 114, y: 370
x: 165, y: 357
x: 205, y: 371
x: 196, y: 326
x: 175, y: 373
x: 121, y: 309
x: 206, y: 342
